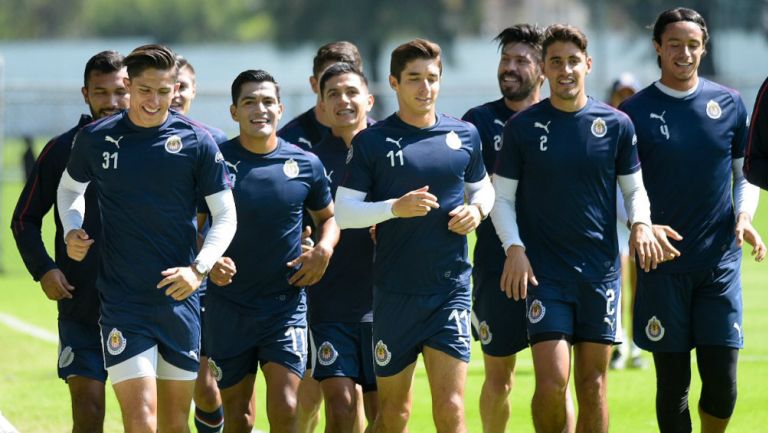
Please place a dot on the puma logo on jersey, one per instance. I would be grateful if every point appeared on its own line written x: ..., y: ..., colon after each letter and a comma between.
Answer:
x: 305, y: 141
x: 659, y: 116
x: 396, y: 142
x: 498, y: 122
x: 109, y: 139
x: 542, y: 126
x: 232, y: 166
x: 610, y: 322
x: 738, y: 328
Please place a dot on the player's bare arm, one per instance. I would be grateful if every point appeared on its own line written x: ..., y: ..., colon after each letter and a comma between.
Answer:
x: 644, y: 246
x: 180, y: 282
x: 464, y: 219
x: 415, y: 203
x: 223, y: 271
x: 315, y: 261
x: 745, y: 231
x: 78, y: 243
x: 55, y: 285
x: 517, y: 273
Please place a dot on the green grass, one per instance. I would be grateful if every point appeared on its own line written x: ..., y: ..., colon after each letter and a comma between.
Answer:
x: 36, y: 401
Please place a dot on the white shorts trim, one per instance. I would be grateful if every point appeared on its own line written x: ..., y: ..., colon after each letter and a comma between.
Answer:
x: 149, y: 363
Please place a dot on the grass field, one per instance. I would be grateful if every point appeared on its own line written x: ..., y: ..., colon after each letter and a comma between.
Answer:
x: 36, y: 401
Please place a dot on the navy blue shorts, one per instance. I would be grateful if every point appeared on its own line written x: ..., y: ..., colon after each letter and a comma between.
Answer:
x: 130, y: 329
x: 676, y: 312
x: 238, y: 340
x: 80, y: 351
x: 343, y: 350
x: 576, y: 311
x: 403, y: 324
x: 497, y: 321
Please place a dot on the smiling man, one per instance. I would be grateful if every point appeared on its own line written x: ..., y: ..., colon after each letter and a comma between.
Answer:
x: 258, y: 318
x: 691, y: 136
x: 148, y: 165
x: 409, y: 175
x: 555, y: 214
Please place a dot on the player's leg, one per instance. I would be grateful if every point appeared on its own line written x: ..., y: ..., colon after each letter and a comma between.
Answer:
x: 135, y: 385
x: 552, y: 368
x: 239, y: 406
x: 394, y: 401
x: 341, y: 404
x: 310, y: 397
x: 371, y: 409
x: 590, y: 377
x: 447, y: 376
x: 494, y: 395
x: 87, y: 404
x: 282, y: 388
x: 361, y: 419
x: 673, y: 379
x: 717, y: 369
x: 175, y: 387
x: 209, y: 415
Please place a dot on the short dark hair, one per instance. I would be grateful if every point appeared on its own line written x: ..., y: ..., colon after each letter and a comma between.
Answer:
x: 528, y: 34
x: 675, y: 15
x: 105, y: 62
x: 182, y: 62
x: 563, y: 33
x: 415, y: 49
x: 337, y: 69
x: 252, y: 76
x: 152, y: 56
x: 336, y: 52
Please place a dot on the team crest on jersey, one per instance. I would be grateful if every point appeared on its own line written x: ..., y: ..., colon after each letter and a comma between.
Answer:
x: 536, y: 312
x: 66, y: 357
x: 349, y: 155
x: 215, y: 370
x: 173, y: 144
x: 713, y: 110
x: 485, y: 332
x: 383, y: 355
x: 115, y: 342
x: 291, y: 168
x: 453, y: 141
x: 599, y: 128
x: 326, y: 354
x: 654, y: 330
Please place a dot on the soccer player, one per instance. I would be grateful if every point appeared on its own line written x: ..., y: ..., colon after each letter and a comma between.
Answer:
x: 306, y: 130
x: 71, y: 283
x: 414, y: 168
x: 148, y: 166
x: 497, y: 321
x: 691, y: 135
x: 555, y: 214
x: 209, y: 416
x: 756, y: 159
x: 340, y: 304
x: 259, y: 318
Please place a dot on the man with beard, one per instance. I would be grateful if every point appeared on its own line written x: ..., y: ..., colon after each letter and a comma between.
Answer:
x: 72, y: 283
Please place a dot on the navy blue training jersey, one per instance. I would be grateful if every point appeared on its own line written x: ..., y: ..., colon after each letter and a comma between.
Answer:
x: 391, y: 158
x: 304, y: 130
x: 345, y: 293
x: 567, y: 166
x: 271, y: 191
x: 147, y: 180
x: 687, y: 146
x: 756, y: 157
x: 489, y: 119
x: 36, y: 199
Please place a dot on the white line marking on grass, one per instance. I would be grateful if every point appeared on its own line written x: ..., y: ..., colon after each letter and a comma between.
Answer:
x: 6, y: 426
x: 29, y: 329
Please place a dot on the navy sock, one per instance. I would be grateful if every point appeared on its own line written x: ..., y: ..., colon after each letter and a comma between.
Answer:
x: 209, y: 422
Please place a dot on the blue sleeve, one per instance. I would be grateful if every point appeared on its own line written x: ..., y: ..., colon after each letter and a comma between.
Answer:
x: 739, y: 144
x: 78, y: 167
x: 319, y: 196
x: 476, y: 169
x: 510, y: 160
x: 627, y: 158
x: 359, y: 174
x: 212, y: 174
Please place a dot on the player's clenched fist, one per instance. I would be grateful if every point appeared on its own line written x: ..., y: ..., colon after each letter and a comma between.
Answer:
x: 78, y: 243
x: 415, y: 203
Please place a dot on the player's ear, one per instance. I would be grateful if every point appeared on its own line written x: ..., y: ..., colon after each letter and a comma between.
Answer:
x: 233, y: 112
x: 280, y: 110
x: 371, y: 100
x: 84, y: 91
x: 313, y: 83
x: 589, y: 64
x: 657, y: 47
x: 393, y: 82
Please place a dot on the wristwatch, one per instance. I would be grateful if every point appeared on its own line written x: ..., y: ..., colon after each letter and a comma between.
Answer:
x: 200, y: 268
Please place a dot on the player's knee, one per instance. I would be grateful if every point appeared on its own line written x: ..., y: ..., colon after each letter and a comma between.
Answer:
x: 282, y: 411
x: 392, y: 413
x: 551, y: 387
x: 206, y: 396
x: 592, y: 383
x: 498, y: 386
x: 448, y: 409
x: 343, y: 412
x: 718, y: 395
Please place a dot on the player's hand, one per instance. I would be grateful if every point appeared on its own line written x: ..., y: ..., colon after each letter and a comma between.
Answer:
x: 181, y: 282
x: 663, y: 234
x: 644, y: 246
x: 223, y: 271
x: 313, y: 264
x: 746, y: 232
x: 415, y: 203
x: 55, y: 285
x: 78, y: 243
x: 465, y: 218
x: 517, y: 274
x: 372, y: 232
x: 306, y: 239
